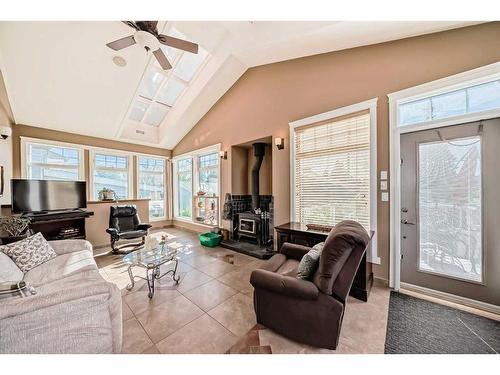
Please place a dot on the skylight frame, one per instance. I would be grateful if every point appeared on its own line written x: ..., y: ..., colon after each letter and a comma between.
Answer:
x: 168, y: 77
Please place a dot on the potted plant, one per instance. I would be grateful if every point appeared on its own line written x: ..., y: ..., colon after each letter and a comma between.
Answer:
x: 106, y: 194
x: 15, y: 227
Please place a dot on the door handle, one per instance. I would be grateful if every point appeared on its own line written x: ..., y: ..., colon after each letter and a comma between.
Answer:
x: 407, y: 222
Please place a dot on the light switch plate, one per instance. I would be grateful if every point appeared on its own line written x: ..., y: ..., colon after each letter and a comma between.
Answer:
x: 383, y: 185
x: 383, y: 175
x: 385, y: 196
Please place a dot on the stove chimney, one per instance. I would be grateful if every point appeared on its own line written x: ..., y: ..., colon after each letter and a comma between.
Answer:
x: 259, y: 149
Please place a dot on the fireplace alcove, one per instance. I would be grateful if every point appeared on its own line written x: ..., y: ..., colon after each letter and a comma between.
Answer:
x: 251, y: 223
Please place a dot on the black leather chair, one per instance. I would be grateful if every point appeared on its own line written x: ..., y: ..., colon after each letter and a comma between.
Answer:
x: 124, y: 223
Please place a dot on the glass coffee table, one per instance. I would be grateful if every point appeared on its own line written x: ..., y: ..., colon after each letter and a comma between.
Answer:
x: 151, y: 260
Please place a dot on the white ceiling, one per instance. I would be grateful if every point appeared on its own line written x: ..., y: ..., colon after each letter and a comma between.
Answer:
x: 60, y: 75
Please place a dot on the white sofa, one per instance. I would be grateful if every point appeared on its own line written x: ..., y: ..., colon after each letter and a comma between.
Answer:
x: 74, y: 310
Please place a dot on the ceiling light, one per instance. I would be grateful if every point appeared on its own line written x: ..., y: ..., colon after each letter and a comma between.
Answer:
x: 119, y: 61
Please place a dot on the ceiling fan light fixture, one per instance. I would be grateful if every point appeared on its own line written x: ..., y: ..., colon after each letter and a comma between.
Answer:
x: 119, y: 61
x: 146, y: 40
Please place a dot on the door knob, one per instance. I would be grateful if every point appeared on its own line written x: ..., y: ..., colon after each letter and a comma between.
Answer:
x: 407, y: 222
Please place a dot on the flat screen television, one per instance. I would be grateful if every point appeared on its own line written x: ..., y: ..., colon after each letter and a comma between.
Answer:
x: 47, y: 195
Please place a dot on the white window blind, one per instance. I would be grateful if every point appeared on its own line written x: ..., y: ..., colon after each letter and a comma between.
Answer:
x: 332, y: 171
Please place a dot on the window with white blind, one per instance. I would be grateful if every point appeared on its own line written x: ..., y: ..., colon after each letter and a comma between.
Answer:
x: 332, y: 171
x: 52, y: 162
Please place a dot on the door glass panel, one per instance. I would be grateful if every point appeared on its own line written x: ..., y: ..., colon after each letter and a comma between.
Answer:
x: 450, y: 238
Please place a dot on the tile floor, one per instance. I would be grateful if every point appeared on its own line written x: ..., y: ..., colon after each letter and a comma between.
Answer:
x: 211, y: 308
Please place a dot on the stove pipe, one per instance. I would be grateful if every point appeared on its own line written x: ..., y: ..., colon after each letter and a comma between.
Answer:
x: 259, y: 149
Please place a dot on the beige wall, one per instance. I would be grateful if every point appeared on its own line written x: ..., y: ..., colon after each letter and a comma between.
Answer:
x: 242, y: 161
x: 266, y: 98
x: 6, y: 119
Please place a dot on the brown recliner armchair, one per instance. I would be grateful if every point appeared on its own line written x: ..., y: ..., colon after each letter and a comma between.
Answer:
x: 310, y: 312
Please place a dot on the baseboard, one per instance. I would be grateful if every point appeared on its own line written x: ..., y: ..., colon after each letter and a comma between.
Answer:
x: 452, y: 298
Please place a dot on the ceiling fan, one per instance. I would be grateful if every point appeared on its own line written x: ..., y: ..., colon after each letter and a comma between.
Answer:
x: 146, y: 35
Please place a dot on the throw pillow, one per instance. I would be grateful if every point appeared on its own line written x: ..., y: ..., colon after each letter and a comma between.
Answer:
x: 30, y: 252
x: 309, y: 262
x: 8, y: 270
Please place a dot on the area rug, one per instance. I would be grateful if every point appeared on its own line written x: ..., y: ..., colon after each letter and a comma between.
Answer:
x: 417, y: 326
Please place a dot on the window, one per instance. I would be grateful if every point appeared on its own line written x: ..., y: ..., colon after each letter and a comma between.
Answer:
x: 160, y: 89
x: 185, y: 188
x: 151, y: 175
x: 193, y: 173
x: 472, y: 99
x: 111, y: 172
x: 449, y: 211
x: 208, y: 173
x: 52, y: 162
x: 332, y: 171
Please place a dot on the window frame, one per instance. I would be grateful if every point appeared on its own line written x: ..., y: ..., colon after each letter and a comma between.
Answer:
x: 26, y: 142
x: 371, y: 106
x: 194, y: 156
x: 447, y: 85
x: 165, y: 183
x: 110, y: 152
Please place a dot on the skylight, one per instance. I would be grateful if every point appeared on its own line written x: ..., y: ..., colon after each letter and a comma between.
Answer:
x: 159, y: 90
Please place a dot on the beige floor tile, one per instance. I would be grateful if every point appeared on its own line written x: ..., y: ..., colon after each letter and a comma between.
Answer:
x: 139, y: 301
x: 239, y: 280
x: 211, y: 294
x: 202, y: 336
x: 191, y: 280
x: 135, y: 339
x: 163, y: 320
x: 200, y: 260
x: 126, y: 312
x: 217, y: 268
x: 151, y: 350
x: 236, y: 314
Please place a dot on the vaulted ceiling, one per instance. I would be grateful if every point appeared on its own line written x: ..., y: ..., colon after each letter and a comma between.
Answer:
x: 60, y: 75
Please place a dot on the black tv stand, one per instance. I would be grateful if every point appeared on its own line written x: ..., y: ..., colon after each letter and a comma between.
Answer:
x: 59, y: 225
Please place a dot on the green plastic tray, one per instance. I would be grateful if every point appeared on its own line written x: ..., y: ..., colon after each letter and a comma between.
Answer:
x: 210, y: 239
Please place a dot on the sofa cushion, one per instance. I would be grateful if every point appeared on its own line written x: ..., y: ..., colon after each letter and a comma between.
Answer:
x: 309, y: 262
x: 30, y: 252
x: 288, y: 268
x: 338, y: 246
x: 61, y: 267
x: 8, y: 269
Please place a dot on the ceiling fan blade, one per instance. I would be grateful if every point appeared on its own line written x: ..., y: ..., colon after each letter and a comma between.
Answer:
x: 178, y: 43
x: 149, y: 26
x: 131, y: 24
x: 162, y: 59
x: 122, y: 43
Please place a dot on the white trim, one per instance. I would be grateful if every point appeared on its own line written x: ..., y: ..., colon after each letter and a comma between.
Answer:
x: 452, y: 298
x: 371, y: 106
x: 24, y: 141
x: 165, y: 185
x: 111, y: 152
x: 469, y: 78
x: 200, y: 151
